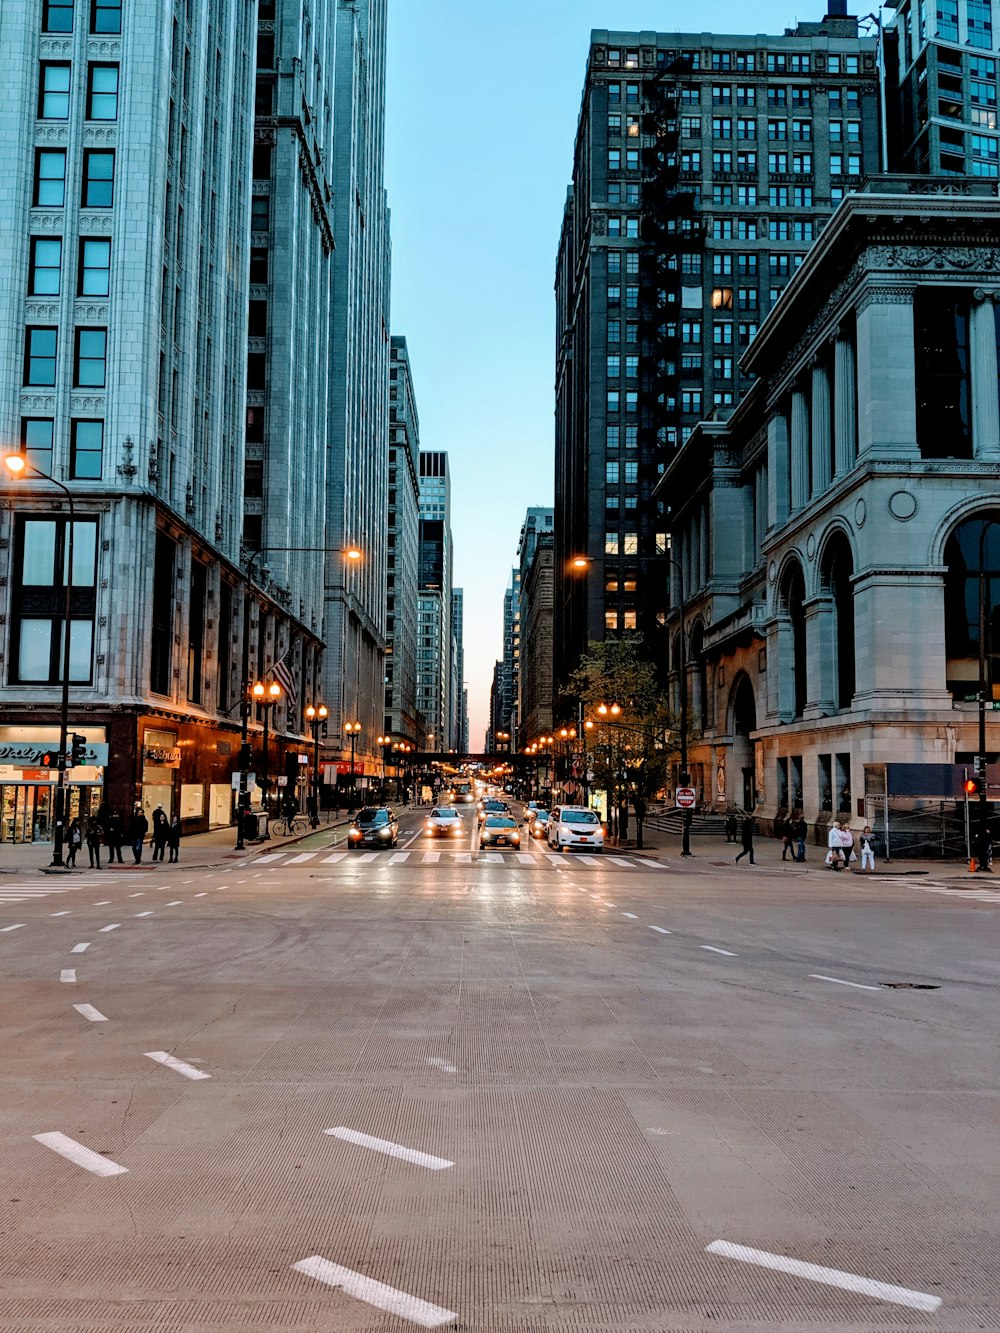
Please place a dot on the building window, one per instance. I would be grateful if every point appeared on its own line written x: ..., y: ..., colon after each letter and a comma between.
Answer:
x: 614, y: 400
x: 36, y: 441
x: 614, y: 330
x: 691, y: 402
x: 265, y: 50
x: 614, y: 262
x: 746, y: 196
x: 57, y: 16
x: 98, y: 178
x: 630, y: 620
x: 163, y: 602
x: 260, y: 213
x: 614, y: 159
x: 40, y: 357
x: 972, y: 553
x: 631, y: 367
x: 631, y: 437
x: 722, y: 333
x: 262, y: 155
x: 611, y: 620
x: 105, y: 15
x: 614, y: 296
x: 941, y: 323
x: 611, y: 543
x: 53, y: 91
x: 614, y: 367
x: 631, y: 298
x: 102, y: 92
x: 630, y: 543
x: 631, y: 473
x: 41, y: 559
x: 95, y: 268
x: 46, y: 263
x: 50, y: 179
x: 90, y: 359
x: 611, y: 438
x: 87, y: 449
x: 257, y: 320
x: 611, y: 474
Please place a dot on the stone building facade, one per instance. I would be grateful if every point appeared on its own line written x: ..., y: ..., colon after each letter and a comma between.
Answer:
x: 832, y: 534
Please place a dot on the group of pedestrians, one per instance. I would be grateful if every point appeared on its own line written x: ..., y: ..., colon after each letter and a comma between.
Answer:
x: 840, y: 842
x: 108, y: 828
x: 793, y: 839
x: 841, y: 850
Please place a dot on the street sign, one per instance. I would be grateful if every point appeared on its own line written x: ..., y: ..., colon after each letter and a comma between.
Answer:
x: 251, y: 781
x: 685, y: 798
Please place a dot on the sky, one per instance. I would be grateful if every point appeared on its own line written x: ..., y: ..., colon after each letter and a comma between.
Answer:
x: 482, y: 101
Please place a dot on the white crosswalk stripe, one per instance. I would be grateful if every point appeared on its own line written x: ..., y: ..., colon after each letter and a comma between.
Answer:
x: 416, y: 857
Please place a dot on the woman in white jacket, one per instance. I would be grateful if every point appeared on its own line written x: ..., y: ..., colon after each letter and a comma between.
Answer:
x: 835, y: 854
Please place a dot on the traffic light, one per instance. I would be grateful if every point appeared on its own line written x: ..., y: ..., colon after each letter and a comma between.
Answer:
x: 325, y: 729
x: 78, y: 754
x: 246, y: 756
x: 971, y: 786
x: 49, y: 759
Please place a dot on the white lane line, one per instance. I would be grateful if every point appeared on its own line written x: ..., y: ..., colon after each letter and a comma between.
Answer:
x: 68, y: 974
x: 164, y: 1058
x: 525, y: 858
x: 64, y: 913
x: 631, y: 916
x: 140, y: 894
x: 76, y: 1152
x: 553, y: 858
x: 138, y: 914
x: 260, y: 861
x: 818, y: 976
x: 302, y: 856
x: 620, y: 861
x: 443, y: 1065
x: 581, y: 889
x: 176, y: 903
x: 115, y: 925
x: 608, y: 904
x: 375, y: 1293
x: 7, y: 929
x: 397, y: 858
x: 332, y: 860
x: 202, y: 895
x: 660, y: 930
x: 105, y: 902
x: 89, y: 1012
x: 80, y: 948
x: 712, y: 949
x: 366, y: 858
x: 830, y: 1277
x: 587, y: 860
x: 390, y: 1149
x: 410, y: 841
x: 431, y: 858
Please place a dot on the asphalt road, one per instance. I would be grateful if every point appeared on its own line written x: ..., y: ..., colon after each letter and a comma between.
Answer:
x: 327, y: 1090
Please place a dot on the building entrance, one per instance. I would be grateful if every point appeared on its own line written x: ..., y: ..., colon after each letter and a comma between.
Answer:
x: 25, y: 812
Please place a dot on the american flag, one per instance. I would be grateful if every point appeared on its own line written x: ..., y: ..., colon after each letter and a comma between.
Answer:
x: 282, y: 673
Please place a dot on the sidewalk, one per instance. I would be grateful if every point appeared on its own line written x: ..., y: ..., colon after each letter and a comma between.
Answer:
x: 198, y: 851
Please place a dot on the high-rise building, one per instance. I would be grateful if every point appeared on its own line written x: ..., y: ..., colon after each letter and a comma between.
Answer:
x: 434, y: 580
x: 402, y: 720
x: 941, y: 87
x: 460, y: 727
x: 511, y: 662
x: 123, y: 348
x: 535, y: 676
x: 357, y: 458
x: 705, y: 166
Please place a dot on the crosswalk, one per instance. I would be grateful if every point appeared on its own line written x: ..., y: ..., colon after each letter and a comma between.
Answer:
x: 968, y: 895
x: 23, y: 893
x: 388, y: 857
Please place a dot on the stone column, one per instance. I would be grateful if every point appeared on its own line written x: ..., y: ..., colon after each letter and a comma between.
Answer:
x: 820, y: 656
x: 800, y: 450
x: 820, y: 424
x: 845, y: 404
x: 778, y: 470
x: 886, y: 374
x: 985, y: 387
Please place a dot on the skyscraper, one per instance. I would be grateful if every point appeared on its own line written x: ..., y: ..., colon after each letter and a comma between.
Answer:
x: 705, y: 165
x: 434, y: 601
x: 459, y: 724
x: 535, y: 676
x: 402, y: 720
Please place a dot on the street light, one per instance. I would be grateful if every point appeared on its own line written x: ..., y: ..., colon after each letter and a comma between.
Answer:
x: 352, y: 729
x: 984, y: 622
x: 685, y: 776
x: 265, y: 697
x: 17, y: 465
x: 316, y: 715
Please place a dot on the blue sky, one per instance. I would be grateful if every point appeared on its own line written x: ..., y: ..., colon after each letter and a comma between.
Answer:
x: 482, y: 105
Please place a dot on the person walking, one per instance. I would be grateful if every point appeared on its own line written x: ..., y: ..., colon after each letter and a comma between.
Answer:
x: 161, y: 828
x: 138, y: 827
x: 94, y: 835
x: 731, y: 827
x: 867, y: 849
x: 746, y: 836
x: 786, y: 841
x: 74, y: 841
x: 174, y: 838
x: 114, y: 835
x: 801, y: 832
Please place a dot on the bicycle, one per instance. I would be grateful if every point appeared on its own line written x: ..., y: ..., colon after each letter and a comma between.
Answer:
x: 287, y: 825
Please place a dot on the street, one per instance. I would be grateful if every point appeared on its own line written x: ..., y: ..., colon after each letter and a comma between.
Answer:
x: 313, y: 1088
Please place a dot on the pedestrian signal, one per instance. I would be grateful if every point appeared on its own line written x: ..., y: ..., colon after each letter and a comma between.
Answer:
x: 49, y: 759
x: 971, y: 786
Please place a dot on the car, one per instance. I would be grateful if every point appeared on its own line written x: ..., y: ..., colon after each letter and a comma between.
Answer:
x: 444, y: 821
x: 529, y: 811
x: 575, y: 826
x: 499, y: 831
x: 539, y: 823
x: 492, y: 808
x: 373, y: 826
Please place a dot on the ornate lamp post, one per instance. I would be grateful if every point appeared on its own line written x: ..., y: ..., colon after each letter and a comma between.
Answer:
x: 265, y: 697
x: 352, y: 729
x: 316, y: 715
x: 17, y: 465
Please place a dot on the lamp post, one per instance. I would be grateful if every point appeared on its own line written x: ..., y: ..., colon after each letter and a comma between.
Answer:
x: 348, y: 553
x: 316, y: 715
x: 983, y: 859
x: 685, y: 776
x: 265, y: 697
x: 17, y: 465
x: 352, y: 729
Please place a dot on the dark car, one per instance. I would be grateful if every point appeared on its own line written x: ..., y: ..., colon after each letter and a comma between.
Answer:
x: 493, y: 808
x: 373, y: 826
x: 499, y: 831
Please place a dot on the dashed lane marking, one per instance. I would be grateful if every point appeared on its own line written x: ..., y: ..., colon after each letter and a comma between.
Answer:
x: 115, y: 925
x: 5, y: 930
x: 90, y: 1013
x: 369, y: 1291
x: 661, y: 930
x: 712, y: 949
x: 68, y: 974
x: 76, y: 1152
x: 138, y: 914
x: 80, y: 948
x: 178, y: 1066
x: 631, y: 916
x: 818, y: 976
x: 389, y: 1149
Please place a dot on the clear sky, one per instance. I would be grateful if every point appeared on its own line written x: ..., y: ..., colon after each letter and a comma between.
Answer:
x: 482, y: 105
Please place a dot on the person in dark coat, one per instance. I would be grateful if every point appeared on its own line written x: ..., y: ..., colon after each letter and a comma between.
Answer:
x: 746, y: 837
x: 801, y: 833
x: 174, y: 838
x: 138, y: 827
x: 114, y: 835
x: 161, y: 829
x: 95, y: 835
x: 731, y: 827
x: 74, y: 840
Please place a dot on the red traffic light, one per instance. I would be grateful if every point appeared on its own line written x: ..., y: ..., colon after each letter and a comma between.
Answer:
x: 971, y: 786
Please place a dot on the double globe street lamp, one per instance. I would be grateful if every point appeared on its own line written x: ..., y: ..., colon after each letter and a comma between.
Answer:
x: 265, y: 697
x: 352, y: 729
x: 316, y: 715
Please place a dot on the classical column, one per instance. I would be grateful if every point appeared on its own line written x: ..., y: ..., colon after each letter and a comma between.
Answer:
x: 778, y: 470
x: 885, y: 371
x: 800, y: 450
x: 820, y: 424
x: 845, y: 404
x: 985, y: 387
x: 821, y: 656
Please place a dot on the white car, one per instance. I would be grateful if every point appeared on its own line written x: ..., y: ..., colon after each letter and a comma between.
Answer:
x: 444, y: 821
x: 575, y: 826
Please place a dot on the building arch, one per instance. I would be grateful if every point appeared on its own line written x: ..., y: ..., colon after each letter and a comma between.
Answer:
x: 792, y: 645
x: 972, y: 605
x: 968, y: 507
x: 742, y: 723
x: 836, y: 570
x: 698, y: 674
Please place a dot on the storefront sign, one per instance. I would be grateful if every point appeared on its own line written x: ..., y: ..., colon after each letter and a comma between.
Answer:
x: 164, y: 758
x: 23, y: 754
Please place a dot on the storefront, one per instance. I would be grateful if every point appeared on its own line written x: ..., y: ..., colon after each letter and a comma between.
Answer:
x: 27, y: 790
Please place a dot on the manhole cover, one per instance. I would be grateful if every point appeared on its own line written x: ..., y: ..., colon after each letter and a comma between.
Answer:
x: 907, y: 985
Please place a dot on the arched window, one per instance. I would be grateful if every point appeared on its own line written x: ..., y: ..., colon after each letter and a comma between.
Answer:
x: 972, y: 599
x: 700, y: 701
x: 793, y: 594
x: 838, y: 571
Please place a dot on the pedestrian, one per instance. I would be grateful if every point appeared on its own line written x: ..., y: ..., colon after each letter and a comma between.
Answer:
x: 161, y: 827
x: 867, y: 849
x: 114, y: 835
x: 95, y: 833
x: 174, y: 838
x: 731, y: 826
x: 847, y: 843
x: 138, y: 827
x: 834, y: 854
x: 74, y: 841
x: 786, y: 841
x: 746, y: 836
x: 801, y: 833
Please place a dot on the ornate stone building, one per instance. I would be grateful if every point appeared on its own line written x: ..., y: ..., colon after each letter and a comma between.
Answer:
x: 836, y: 533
